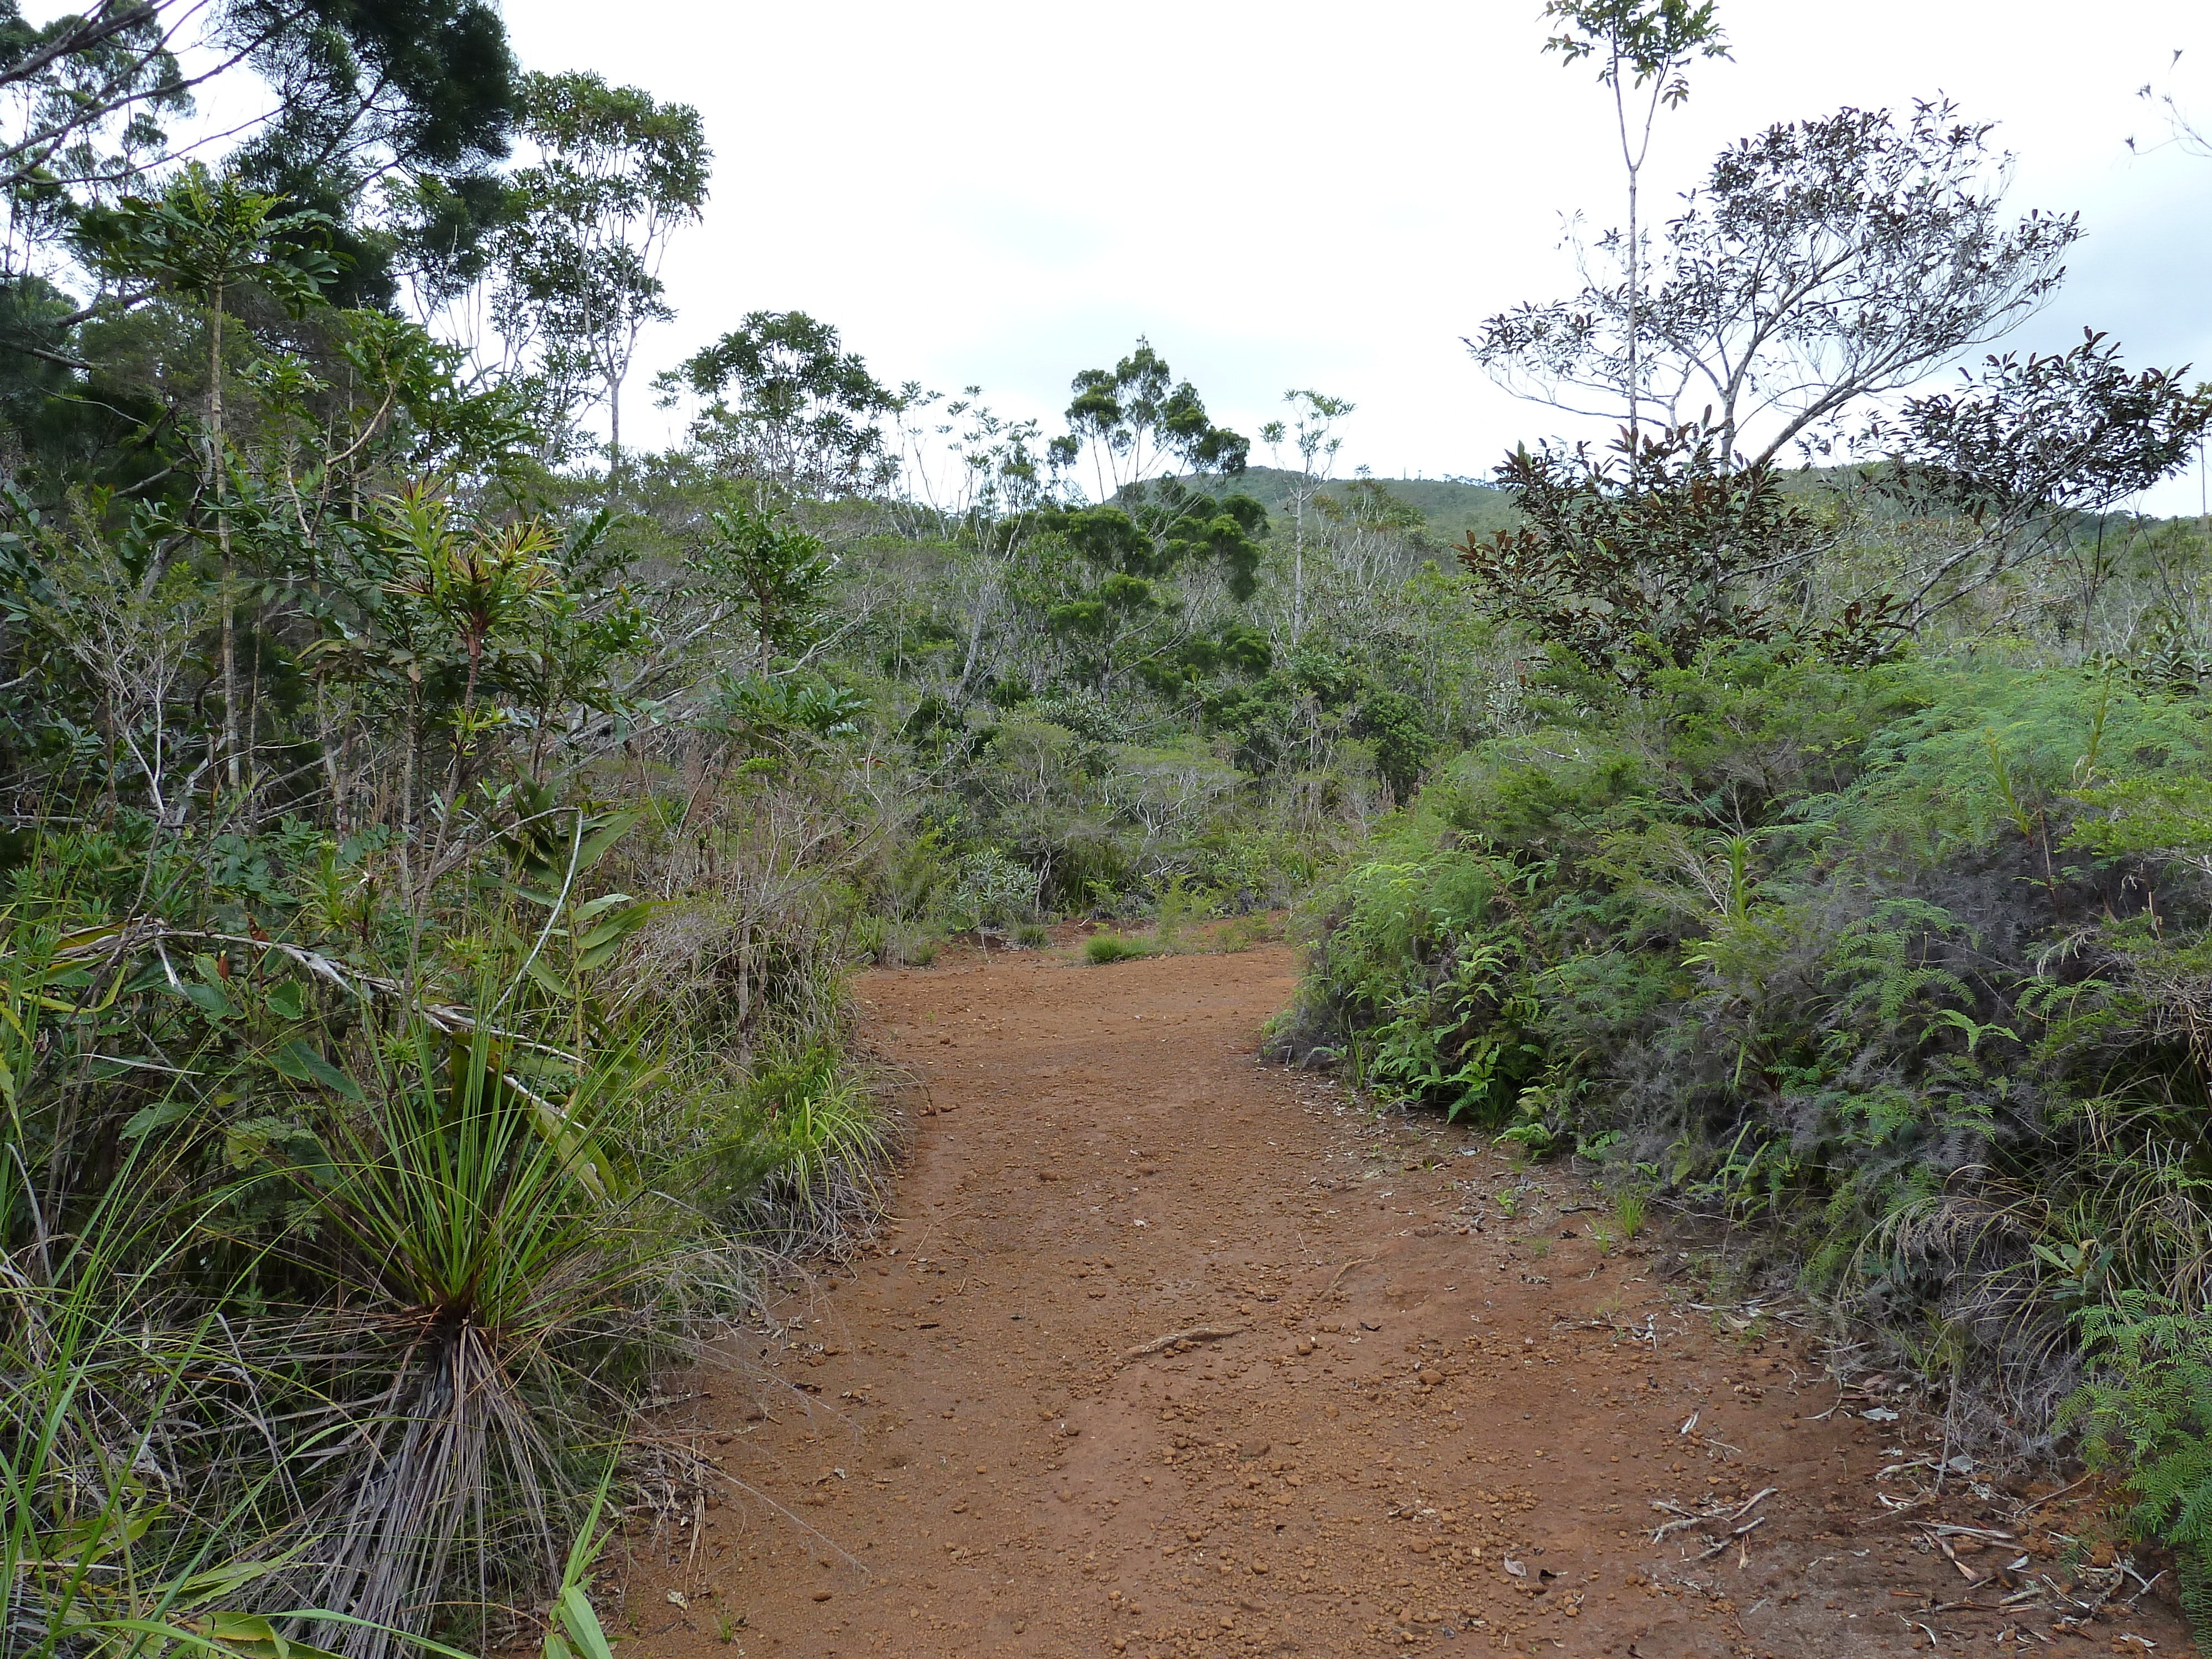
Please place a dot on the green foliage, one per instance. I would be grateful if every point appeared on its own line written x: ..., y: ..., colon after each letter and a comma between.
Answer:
x: 772, y: 572
x: 1633, y: 567
x: 1104, y: 950
x: 432, y: 863
x: 787, y: 405
x: 993, y: 889
x: 573, y: 1628
x: 2145, y: 1413
x: 1423, y: 971
x: 1898, y: 961
x: 578, y: 270
x: 1136, y: 415
x: 801, y: 1152
x: 205, y: 235
x: 1630, y: 1205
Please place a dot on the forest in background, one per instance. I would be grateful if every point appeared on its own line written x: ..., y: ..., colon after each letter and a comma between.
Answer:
x: 436, y: 834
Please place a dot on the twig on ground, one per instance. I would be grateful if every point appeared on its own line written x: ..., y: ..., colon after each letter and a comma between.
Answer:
x: 1195, y: 1333
x: 2029, y: 1508
x: 1356, y: 1261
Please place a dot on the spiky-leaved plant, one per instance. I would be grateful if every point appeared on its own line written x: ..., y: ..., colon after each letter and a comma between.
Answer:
x: 500, y: 1267
x: 140, y: 1512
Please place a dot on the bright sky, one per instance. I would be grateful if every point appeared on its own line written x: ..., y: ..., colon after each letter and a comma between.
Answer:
x: 1327, y: 196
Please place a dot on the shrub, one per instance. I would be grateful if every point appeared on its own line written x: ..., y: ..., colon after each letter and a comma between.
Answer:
x: 1902, y: 963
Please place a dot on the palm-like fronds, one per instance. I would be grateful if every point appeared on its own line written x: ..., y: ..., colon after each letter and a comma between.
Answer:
x: 497, y: 1278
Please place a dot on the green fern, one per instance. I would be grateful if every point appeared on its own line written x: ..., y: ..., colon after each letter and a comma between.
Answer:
x: 2147, y: 1413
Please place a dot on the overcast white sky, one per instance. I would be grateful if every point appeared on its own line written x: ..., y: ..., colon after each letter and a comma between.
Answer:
x: 1328, y: 196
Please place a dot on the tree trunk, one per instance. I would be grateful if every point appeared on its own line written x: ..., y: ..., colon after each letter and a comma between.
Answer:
x: 614, y: 423
x: 219, y: 479
x: 1633, y: 162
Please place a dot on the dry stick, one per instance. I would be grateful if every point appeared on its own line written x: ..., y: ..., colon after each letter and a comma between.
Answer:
x: 1354, y: 1261
x: 1742, y: 1531
x: 1195, y: 1333
x: 1951, y: 1555
x: 1753, y: 1502
x: 1951, y: 1529
x: 2031, y: 1508
x: 1689, y: 1520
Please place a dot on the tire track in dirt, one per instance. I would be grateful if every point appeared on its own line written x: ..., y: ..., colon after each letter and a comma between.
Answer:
x: 1436, y: 1424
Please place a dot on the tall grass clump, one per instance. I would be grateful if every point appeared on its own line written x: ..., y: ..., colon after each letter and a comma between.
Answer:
x: 505, y: 1281
x: 1104, y: 950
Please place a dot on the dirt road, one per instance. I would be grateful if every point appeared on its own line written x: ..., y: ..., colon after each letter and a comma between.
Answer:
x: 1420, y: 1402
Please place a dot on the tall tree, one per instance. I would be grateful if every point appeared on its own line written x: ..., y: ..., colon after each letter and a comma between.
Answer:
x: 786, y: 404
x: 1822, y: 262
x: 1643, y: 50
x: 616, y: 174
x: 1136, y: 419
x: 420, y: 95
x: 203, y: 238
x: 82, y: 100
x: 1311, y: 433
x: 1142, y: 427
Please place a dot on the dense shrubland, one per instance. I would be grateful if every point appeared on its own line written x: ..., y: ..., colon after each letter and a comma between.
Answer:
x: 435, y: 838
x: 1891, y: 961
x: 1839, y: 875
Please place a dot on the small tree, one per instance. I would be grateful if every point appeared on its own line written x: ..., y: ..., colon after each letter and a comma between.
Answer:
x: 1640, y: 560
x: 1141, y: 428
x: 772, y: 572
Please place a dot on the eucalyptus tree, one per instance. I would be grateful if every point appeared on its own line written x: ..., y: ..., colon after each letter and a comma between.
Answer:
x: 1149, y: 437
x: 1136, y: 421
x: 615, y: 175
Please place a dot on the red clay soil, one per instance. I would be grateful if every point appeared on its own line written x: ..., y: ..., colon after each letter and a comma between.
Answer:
x: 1420, y: 1402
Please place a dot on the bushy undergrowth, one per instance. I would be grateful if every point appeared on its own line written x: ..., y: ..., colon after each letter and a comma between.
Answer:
x: 328, y: 1292
x: 378, y: 1120
x: 1905, y: 964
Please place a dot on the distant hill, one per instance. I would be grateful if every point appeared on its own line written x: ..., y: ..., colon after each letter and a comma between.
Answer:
x: 1449, y: 508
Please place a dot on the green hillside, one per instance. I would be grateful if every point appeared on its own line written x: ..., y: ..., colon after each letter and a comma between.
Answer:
x: 1450, y: 506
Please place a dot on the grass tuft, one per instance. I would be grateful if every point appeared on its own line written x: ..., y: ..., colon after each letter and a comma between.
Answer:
x: 1101, y: 950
